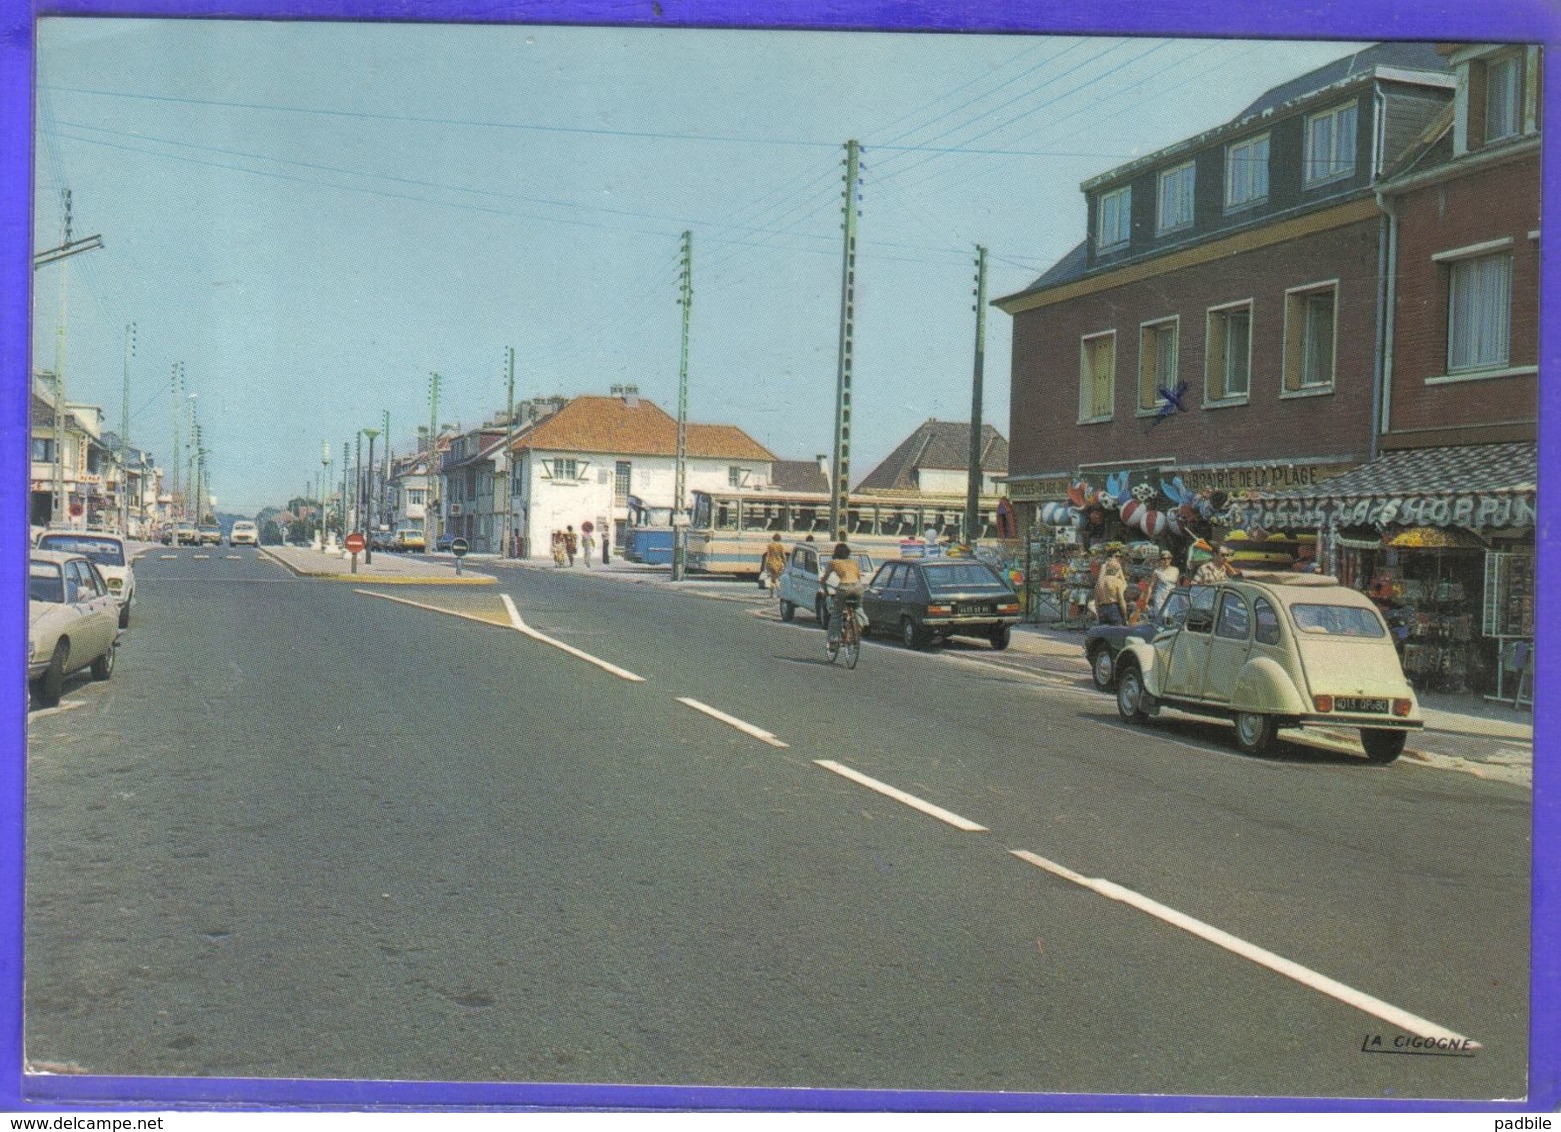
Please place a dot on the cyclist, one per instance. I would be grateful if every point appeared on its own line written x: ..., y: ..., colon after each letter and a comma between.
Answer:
x: 773, y: 562
x: 848, y: 574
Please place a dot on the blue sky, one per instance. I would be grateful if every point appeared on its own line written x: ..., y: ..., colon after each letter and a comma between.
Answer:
x: 312, y: 217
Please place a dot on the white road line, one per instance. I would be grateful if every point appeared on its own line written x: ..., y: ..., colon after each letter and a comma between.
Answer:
x: 166, y: 557
x: 521, y: 626
x: 1404, y: 1020
x: 731, y: 720
x: 197, y: 557
x: 910, y: 800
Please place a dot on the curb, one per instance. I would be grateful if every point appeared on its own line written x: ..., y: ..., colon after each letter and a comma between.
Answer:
x: 372, y: 580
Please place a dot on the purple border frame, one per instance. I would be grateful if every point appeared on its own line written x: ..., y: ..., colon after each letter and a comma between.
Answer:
x: 1534, y: 21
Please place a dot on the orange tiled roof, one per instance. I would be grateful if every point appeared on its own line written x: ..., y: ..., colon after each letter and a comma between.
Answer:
x: 610, y: 425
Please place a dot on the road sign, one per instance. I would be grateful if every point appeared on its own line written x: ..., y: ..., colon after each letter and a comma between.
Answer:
x: 458, y: 547
x: 355, y: 543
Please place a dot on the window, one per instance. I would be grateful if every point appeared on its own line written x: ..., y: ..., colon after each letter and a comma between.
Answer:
x: 1310, y: 338
x: 43, y: 449
x: 1114, y: 224
x: 1228, y: 368
x: 415, y: 497
x: 1478, y: 313
x: 1337, y: 620
x: 565, y: 469
x: 1234, y: 623
x: 1097, y: 377
x: 1246, y: 173
x: 1503, y: 97
x: 1267, y: 622
x: 623, y: 472
x: 735, y: 476
x: 1176, y: 193
x: 1330, y: 144
x: 1156, y: 364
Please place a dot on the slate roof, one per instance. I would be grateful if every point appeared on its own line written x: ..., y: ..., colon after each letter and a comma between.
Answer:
x: 944, y: 445
x: 1405, y: 56
x: 1486, y: 468
x: 624, y: 427
x: 798, y: 475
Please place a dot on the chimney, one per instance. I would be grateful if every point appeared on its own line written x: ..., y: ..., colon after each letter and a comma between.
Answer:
x: 823, y: 466
x: 616, y: 391
x: 631, y: 396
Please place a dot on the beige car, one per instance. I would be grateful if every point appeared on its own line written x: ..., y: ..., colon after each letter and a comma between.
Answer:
x: 72, y: 622
x: 1274, y: 650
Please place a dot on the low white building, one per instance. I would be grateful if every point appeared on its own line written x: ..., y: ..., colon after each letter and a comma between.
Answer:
x: 581, y: 464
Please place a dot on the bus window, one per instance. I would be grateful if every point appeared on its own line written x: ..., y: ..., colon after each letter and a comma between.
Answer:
x: 726, y: 515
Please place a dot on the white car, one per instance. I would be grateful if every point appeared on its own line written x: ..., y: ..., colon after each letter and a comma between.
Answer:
x: 244, y: 533
x: 799, y: 585
x: 72, y: 622
x: 108, y: 553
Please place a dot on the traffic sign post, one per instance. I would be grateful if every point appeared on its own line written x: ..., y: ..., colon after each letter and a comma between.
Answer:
x: 355, y: 546
x: 458, y: 547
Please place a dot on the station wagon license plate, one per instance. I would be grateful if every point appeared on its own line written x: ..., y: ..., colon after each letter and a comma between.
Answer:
x: 1354, y: 703
x: 968, y: 608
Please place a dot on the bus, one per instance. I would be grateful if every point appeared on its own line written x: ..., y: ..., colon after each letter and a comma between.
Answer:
x: 728, y: 530
x: 647, y: 533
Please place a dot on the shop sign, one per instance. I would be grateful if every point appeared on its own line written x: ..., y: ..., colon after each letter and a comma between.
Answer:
x: 1033, y: 491
x: 1257, y: 477
x: 1474, y: 510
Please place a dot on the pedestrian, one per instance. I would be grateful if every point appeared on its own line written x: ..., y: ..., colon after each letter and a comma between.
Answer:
x: 587, y: 543
x: 558, y: 548
x: 772, y: 563
x: 1217, y: 569
x: 571, y: 543
x: 1166, y: 576
x: 1111, y: 592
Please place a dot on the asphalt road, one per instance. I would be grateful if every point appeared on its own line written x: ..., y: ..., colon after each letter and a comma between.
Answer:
x: 306, y: 831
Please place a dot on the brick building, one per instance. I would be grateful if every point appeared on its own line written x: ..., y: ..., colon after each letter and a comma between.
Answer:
x: 1222, y: 321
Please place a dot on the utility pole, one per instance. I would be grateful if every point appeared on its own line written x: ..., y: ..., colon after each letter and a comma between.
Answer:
x: 384, y: 478
x: 368, y: 507
x: 973, y: 482
x: 679, y: 496
x: 59, y: 509
x: 124, y: 432
x: 840, y: 468
x: 430, y: 509
x: 509, y: 438
x: 175, y: 386
x: 346, y: 454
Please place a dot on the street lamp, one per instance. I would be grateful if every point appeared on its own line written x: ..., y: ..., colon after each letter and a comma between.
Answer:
x: 368, y: 547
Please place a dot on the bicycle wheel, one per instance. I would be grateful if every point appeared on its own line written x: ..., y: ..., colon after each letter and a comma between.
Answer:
x: 851, y: 648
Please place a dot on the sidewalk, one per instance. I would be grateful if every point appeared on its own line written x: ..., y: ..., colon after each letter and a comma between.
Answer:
x: 386, y: 569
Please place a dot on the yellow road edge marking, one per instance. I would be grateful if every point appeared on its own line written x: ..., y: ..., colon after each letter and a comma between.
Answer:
x: 432, y: 608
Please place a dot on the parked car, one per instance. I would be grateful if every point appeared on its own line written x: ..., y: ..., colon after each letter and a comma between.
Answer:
x: 443, y: 543
x: 108, y: 553
x: 210, y: 534
x: 410, y: 539
x: 928, y: 600
x: 244, y: 533
x: 1103, y: 642
x: 1274, y: 650
x: 73, y: 622
x: 187, y: 534
x: 799, y: 586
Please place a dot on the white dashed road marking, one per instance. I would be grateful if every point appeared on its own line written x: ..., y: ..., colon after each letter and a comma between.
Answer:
x: 1404, y: 1020
x: 910, y: 800
x: 731, y: 720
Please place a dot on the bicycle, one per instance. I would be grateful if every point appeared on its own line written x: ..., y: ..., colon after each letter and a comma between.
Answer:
x: 849, y: 646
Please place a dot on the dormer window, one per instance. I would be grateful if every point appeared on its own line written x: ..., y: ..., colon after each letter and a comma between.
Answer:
x: 1330, y: 145
x: 1176, y: 190
x: 1114, y: 222
x: 1503, y: 98
x: 1246, y: 173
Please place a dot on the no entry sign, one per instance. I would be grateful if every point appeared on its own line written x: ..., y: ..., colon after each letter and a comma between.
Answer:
x: 355, y: 543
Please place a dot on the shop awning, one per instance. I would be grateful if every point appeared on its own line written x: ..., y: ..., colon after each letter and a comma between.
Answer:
x: 1480, y: 487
